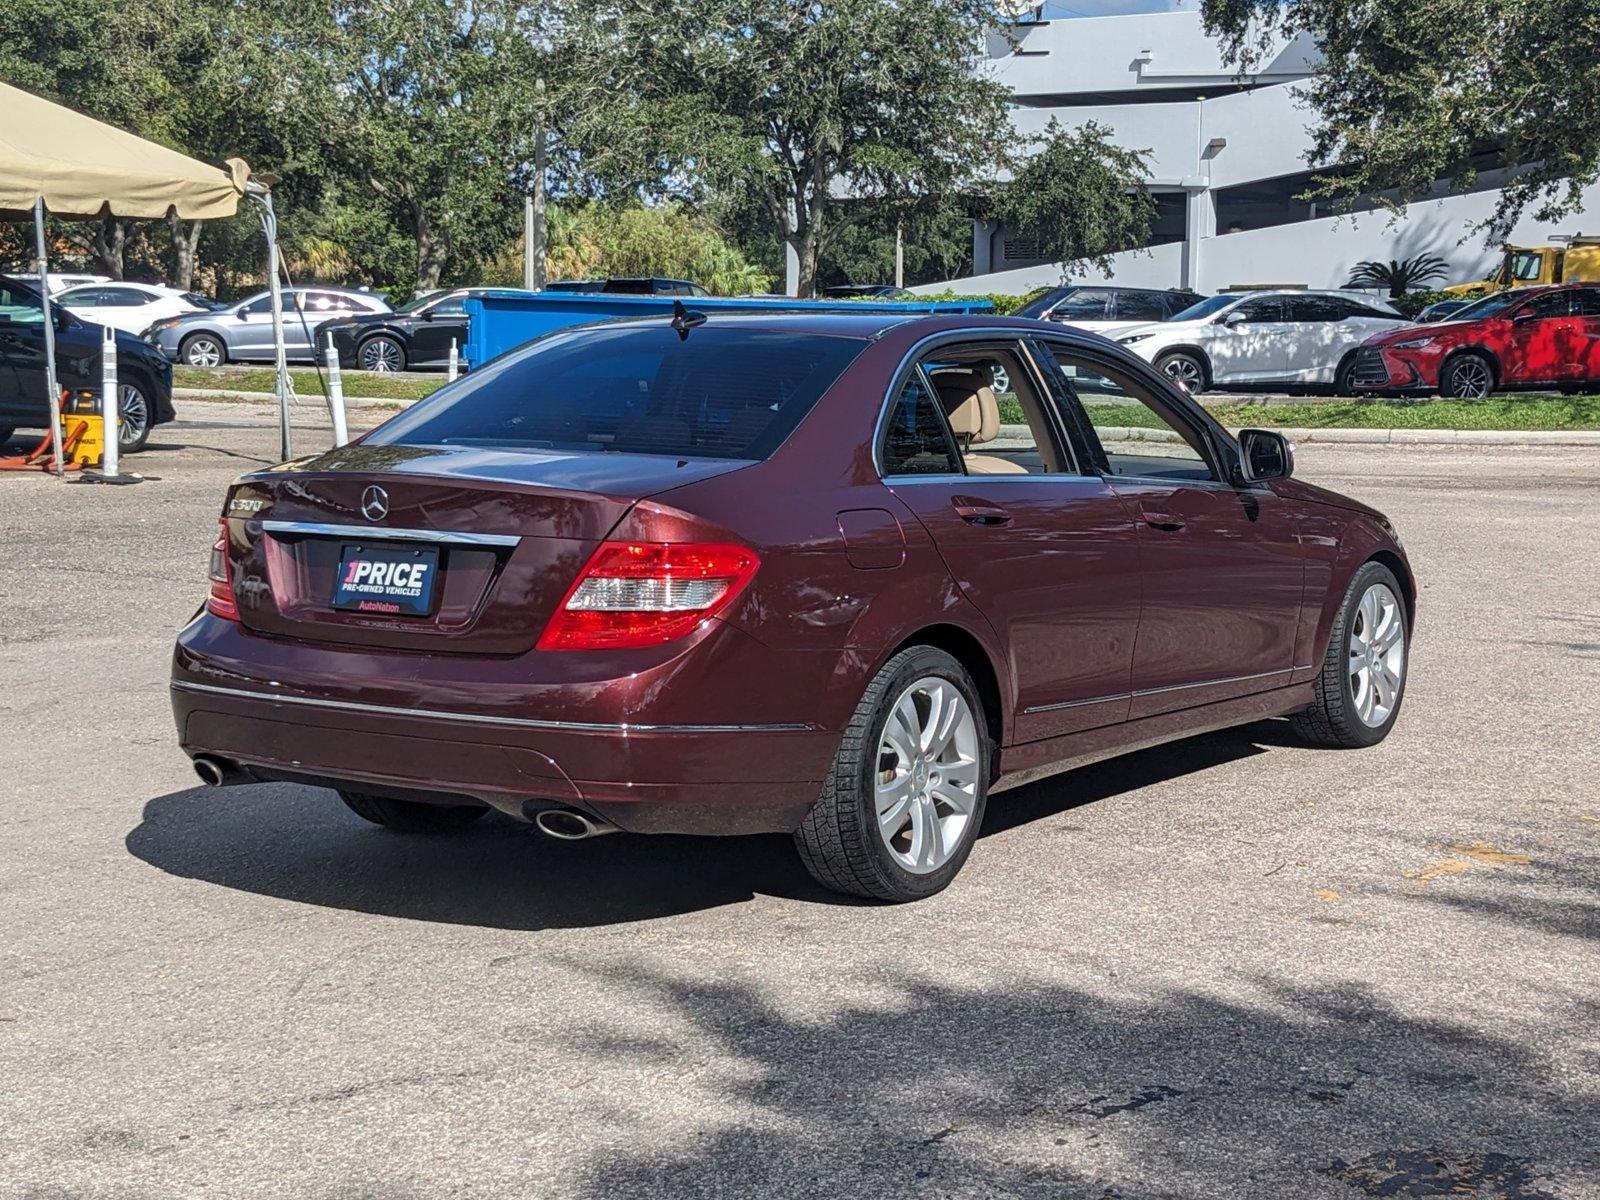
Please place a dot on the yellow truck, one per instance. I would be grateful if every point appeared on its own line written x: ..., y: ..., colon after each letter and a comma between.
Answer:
x: 1575, y: 260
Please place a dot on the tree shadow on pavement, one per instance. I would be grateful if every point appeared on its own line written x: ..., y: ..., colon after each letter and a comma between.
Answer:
x: 1042, y: 1090
x: 301, y: 844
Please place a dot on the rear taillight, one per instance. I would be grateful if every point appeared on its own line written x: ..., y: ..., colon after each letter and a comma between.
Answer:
x: 219, y: 600
x: 644, y: 593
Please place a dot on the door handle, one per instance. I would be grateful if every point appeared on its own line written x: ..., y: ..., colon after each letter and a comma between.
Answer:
x: 1161, y: 520
x: 978, y: 512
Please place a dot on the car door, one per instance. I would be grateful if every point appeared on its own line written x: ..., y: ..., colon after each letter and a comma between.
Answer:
x: 1043, y: 549
x: 1586, y: 312
x: 1250, y: 342
x: 1544, y: 343
x: 22, y: 377
x: 439, y: 324
x: 1318, y: 338
x: 249, y: 329
x: 1222, y: 574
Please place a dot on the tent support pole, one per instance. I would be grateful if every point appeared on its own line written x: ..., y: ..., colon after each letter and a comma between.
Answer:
x: 269, y: 225
x: 49, y: 335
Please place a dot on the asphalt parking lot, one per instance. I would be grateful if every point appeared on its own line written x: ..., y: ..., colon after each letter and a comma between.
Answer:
x: 1231, y: 967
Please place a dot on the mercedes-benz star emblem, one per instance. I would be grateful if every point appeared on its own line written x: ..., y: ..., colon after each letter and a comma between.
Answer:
x: 375, y: 503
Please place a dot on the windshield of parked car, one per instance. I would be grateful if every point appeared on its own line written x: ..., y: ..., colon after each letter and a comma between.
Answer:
x: 1208, y: 307
x: 1042, y: 304
x: 635, y: 389
x: 1487, y: 307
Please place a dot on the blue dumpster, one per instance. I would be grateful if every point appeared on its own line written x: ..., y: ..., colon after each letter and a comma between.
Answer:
x: 498, y: 321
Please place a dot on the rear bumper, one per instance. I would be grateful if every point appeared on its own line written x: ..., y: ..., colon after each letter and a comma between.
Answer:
x: 649, y: 778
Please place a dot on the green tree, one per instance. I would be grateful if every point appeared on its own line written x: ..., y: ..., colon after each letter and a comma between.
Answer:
x: 1410, y: 92
x: 1081, y: 194
x: 589, y: 240
x: 808, y: 107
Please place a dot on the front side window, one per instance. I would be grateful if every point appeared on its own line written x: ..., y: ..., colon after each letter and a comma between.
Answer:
x: 916, y: 440
x: 256, y: 307
x: 1525, y: 265
x: 124, y: 298
x: 1551, y: 304
x: 1083, y: 306
x: 637, y: 389
x: 1255, y: 312
x: 19, y: 307
x: 1134, y: 427
x: 84, y: 299
x: 1316, y: 308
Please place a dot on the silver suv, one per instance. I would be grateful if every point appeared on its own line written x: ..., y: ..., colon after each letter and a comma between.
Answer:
x: 243, y: 332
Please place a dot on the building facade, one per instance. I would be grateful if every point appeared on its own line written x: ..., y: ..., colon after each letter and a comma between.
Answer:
x: 1226, y: 165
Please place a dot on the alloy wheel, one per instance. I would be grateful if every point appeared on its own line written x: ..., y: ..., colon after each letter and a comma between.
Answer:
x: 1377, y: 655
x: 380, y: 354
x: 203, y: 352
x: 1182, y: 369
x: 1470, y: 379
x: 926, y: 786
x: 135, y: 413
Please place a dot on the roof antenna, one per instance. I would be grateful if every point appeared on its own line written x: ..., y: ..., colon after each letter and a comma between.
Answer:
x: 685, y: 319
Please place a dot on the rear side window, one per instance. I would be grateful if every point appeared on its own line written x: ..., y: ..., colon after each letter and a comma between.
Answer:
x: 635, y: 389
x: 916, y: 441
x: 1140, y: 306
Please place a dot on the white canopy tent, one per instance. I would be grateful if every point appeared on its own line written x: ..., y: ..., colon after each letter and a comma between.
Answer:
x: 57, y: 161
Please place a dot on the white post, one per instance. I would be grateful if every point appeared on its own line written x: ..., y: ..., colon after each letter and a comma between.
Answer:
x: 110, y: 408
x: 341, y: 433
x: 50, y: 383
x: 899, y: 254
x: 455, y: 363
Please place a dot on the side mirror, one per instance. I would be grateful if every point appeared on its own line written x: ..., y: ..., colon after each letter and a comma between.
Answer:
x: 241, y: 315
x: 1524, y: 318
x: 1234, y: 318
x: 427, y: 316
x: 1264, y: 455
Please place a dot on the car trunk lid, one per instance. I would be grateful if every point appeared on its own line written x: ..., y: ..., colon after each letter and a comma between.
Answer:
x: 505, y: 532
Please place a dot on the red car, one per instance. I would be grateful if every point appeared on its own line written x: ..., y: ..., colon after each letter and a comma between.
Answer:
x: 1525, y: 337
x: 807, y: 574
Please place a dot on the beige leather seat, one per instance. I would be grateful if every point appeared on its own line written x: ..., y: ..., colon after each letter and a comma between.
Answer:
x: 974, y: 416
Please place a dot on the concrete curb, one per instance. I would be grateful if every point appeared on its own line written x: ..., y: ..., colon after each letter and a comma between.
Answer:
x: 315, y: 398
x: 1019, y: 435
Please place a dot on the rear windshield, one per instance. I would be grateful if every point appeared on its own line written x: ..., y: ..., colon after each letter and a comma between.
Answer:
x: 635, y: 389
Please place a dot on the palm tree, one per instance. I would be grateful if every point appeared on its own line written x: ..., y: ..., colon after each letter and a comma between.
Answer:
x: 1398, y: 276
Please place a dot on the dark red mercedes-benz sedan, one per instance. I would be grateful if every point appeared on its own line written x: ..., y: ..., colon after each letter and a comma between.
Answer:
x: 840, y: 576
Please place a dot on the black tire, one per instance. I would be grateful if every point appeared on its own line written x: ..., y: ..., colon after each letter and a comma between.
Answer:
x: 381, y: 353
x: 1332, y: 720
x: 187, y: 347
x: 410, y: 816
x: 137, y: 411
x: 1344, y: 378
x: 1185, y: 368
x: 1467, y: 376
x: 838, y: 841
x: 5, y: 433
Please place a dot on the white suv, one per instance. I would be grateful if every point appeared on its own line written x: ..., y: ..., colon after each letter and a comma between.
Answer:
x: 1263, y: 338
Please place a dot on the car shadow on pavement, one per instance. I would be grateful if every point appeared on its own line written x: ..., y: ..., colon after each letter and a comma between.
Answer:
x: 300, y: 843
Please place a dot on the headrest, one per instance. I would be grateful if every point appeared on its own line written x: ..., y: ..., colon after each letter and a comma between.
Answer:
x: 970, y: 405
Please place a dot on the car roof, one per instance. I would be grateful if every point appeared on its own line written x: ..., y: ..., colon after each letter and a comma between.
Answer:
x: 868, y: 325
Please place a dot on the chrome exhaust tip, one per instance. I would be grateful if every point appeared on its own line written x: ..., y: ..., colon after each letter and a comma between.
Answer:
x: 218, y: 772
x: 570, y: 825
